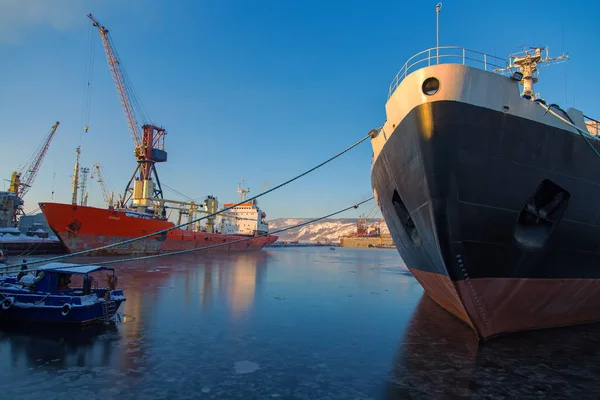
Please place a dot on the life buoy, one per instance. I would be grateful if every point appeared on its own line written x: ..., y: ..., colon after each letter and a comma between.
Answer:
x: 7, y: 303
x: 66, y: 309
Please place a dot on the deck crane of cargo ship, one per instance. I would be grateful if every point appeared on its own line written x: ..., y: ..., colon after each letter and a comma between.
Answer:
x: 106, y: 194
x: 149, y: 145
x: 21, y: 181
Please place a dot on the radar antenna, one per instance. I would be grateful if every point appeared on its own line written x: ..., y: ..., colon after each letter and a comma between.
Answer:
x: 526, y: 63
x: 243, y: 192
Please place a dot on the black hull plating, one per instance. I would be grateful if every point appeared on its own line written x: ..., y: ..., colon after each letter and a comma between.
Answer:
x: 32, y: 248
x: 453, y: 181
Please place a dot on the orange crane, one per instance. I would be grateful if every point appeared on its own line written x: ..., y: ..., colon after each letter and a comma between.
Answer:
x: 149, y: 146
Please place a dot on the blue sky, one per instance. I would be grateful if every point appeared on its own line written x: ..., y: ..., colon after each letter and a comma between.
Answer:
x: 259, y: 89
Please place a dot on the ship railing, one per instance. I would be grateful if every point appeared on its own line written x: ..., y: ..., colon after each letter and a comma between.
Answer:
x: 592, y: 125
x: 448, y: 55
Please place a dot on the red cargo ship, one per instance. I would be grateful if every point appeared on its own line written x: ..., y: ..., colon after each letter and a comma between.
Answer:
x: 143, y: 209
x: 84, y: 228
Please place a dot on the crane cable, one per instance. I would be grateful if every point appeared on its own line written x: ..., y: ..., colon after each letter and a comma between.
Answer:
x: 138, y: 107
x: 372, y: 134
x: 177, y: 192
x: 312, y: 221
x: 87, y: 93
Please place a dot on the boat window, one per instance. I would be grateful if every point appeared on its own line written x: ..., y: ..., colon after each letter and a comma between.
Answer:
x: 430, y: 86
x: 63, y: 281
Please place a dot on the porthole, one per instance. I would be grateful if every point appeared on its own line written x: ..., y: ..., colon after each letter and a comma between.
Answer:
x: 430, y: 86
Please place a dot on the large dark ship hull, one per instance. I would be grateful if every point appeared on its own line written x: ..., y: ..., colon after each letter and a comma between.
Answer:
x: 497, y: 216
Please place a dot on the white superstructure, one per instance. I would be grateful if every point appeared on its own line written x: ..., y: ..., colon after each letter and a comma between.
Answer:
x: 246, y: 218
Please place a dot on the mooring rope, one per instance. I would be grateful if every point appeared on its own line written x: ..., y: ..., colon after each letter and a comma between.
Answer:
x: 312, y: 221
x: 371, y: 134
x: 569, y: 122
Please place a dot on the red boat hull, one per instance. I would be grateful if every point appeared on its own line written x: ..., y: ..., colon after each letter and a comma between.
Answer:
x: 84, y: 228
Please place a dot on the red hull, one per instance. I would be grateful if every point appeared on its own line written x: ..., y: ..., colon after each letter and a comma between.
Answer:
x: 84, y: 228
x: 494, y: 306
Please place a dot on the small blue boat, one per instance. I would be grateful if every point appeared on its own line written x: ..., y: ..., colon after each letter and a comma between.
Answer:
x: 45, y: 296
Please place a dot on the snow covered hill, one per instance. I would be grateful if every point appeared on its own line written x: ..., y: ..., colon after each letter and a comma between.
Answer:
x: 325, y: 231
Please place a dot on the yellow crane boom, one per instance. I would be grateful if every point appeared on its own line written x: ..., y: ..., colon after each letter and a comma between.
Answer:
x: 20, y: 182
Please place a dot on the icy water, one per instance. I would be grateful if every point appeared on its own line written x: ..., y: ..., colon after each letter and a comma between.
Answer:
x: 290, y: 323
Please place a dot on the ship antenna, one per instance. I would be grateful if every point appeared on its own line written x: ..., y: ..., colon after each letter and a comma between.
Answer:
x: 438, y: 7
x: 243, y: 192
x: 526, y: 63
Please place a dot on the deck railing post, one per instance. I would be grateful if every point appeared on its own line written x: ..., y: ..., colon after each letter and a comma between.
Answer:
x: 485, y: 62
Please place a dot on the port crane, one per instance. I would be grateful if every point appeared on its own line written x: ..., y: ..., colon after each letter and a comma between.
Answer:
x: 108, y: 196
x: 20, y: 182
x: 362, y: 226
x: 149, y: 143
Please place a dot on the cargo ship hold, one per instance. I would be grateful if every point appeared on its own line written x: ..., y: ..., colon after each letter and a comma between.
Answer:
x: 143, y: 209
x: 491, y: 195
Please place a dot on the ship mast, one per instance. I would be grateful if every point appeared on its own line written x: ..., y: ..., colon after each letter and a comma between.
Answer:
x: 526, y: 62
x: 242, y: 191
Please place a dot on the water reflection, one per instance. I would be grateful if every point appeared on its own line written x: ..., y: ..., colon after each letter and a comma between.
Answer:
x: 58, y: 348
x: 248, y: 272
x: 439, y: 357
x: 180, y: 283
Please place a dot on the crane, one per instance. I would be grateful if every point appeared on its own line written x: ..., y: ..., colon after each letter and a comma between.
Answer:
x: 108, y: 196
x: 362, y: 224
x: 149, y: 144
x: 20, y: 182
x: 84, y: 194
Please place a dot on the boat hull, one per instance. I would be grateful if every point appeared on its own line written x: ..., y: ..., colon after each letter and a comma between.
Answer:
x: 85, y: 315
x: 84, y: 228
x: 454, y: 181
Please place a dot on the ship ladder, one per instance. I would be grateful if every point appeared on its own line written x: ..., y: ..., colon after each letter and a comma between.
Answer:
x: 109, y: 308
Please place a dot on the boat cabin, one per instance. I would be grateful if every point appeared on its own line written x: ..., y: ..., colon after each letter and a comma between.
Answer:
x: 47, y: 295
x: 56, y: 278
